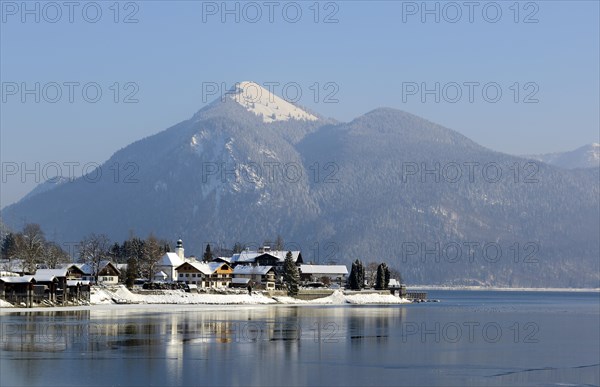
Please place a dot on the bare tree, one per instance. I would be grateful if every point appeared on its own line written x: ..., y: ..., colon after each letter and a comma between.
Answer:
x: 94, y: 249
x: 278, y: 243
x: 395, y: 273
x: 54, y: 255
x: 153, y: 251
x: 371, y: 273
x: 30, y: 247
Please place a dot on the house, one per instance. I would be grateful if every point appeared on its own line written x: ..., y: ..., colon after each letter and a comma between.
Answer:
x: 255, y: 275
x: 323, y: 273
x: 54, y: 279
x: 205, y: 275
x: 46, y: 284
x: 223, y: 259
x: 246, y: 257
x: 265, y: 257
x: 396, y: 288
x: 17, y: 289
x: 108, y: 273
x: 168, y: 264
x: 73, y: 271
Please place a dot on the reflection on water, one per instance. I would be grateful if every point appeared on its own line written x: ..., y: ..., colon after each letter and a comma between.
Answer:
x: 457, y: 342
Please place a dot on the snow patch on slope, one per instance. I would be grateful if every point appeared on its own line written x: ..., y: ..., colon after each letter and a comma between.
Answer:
x: 263, y: 103
x: 594, y: 152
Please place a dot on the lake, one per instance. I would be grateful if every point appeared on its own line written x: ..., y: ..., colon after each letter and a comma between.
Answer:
x: 470, y: 338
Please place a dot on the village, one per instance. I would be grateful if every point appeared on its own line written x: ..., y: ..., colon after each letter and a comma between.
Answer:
x: 260, y: 272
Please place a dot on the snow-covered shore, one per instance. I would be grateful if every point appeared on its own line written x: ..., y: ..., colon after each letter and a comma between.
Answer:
x: 4, y: 304
x: 120, y: 296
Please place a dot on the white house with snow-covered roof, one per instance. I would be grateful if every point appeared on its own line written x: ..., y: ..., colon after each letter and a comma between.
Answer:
x: 250, y: 274
x: 108, y: 273
x: 205, y: 274
x: 335, y: 273
x: 169, y: 262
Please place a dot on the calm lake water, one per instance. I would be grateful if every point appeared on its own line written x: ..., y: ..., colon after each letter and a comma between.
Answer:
x: 470, y: 338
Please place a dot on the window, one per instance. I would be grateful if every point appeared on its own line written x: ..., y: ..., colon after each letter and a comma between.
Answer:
x: 194, y: 275
x: 181, y: 274
x: 187, y: 274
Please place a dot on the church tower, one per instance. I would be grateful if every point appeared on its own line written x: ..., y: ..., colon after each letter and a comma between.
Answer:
x: 179, y: 250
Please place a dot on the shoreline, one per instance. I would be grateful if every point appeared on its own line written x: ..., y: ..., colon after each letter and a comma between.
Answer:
x: 121, y: 298
x: 185, y: 306
x: 188, y: 301
x: 501, y: 289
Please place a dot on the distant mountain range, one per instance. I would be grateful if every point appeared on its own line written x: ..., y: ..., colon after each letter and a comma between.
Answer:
x: 387, y: 186
x: 588, y: 156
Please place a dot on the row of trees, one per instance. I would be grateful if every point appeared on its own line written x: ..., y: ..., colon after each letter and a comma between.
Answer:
x: 27, y: 249
x: 141, y: 255
x: 378, y: 275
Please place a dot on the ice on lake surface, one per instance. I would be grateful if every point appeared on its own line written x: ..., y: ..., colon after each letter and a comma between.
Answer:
x: 471, y: 338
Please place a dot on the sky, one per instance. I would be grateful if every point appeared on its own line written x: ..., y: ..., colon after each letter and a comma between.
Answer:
x: 83, y: 80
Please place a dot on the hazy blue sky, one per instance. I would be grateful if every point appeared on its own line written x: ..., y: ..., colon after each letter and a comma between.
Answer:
x: 373, y: 56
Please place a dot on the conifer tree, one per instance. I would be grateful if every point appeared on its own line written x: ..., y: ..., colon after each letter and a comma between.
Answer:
x: 291, y: 277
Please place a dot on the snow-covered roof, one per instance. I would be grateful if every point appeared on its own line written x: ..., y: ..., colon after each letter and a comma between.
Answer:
x: 170, y: 259
x: 243, y: 281
x: 85, y: 268
x: 323, y: 269
x: 44, y: 277
x: 160, y: 274
x: 17, y: 280
x: 251, y: 270
x: 244, y: 257
x: 250, y: 256
x: 51, y: 272
x: 394, y: 283
x: 204, y: 267
x: 280, y: 254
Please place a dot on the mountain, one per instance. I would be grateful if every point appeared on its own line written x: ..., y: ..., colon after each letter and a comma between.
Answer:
x: 588, y: 156
x: 387, y: 186
x: 46, y: 186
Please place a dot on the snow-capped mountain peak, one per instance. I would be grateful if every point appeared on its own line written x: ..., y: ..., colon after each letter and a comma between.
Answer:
x: 262, y: 102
